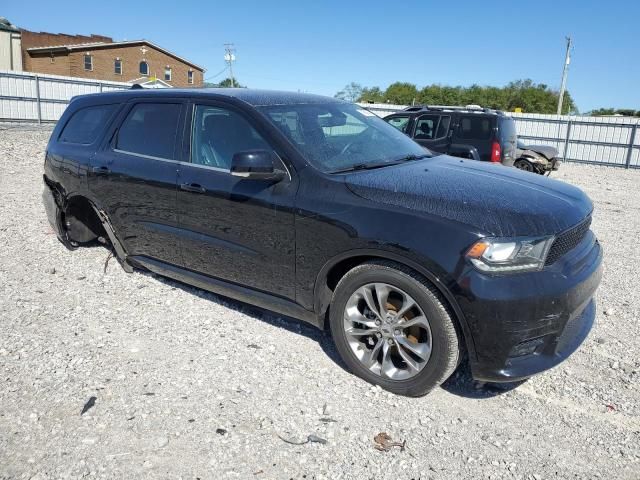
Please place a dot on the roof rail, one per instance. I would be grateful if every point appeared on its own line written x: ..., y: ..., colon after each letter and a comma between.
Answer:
x: 470, y: 108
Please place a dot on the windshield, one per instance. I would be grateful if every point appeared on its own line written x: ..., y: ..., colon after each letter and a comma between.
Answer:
x: 339, y: 136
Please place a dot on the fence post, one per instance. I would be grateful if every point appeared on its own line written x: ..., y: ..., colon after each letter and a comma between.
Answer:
x: 632, y: 141
x: 100, y: 85
x: 566, y: 140
x: 38, y: 100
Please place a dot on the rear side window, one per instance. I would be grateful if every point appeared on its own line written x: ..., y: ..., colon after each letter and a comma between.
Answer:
x: 401, y: 123
x: 84, y: 126
x: 475, y: 128
x: 150, y: 129
x: 507, y: 130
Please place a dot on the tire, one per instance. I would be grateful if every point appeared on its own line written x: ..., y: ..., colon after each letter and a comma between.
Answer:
x: 525, y: 165
x: 440, y: 329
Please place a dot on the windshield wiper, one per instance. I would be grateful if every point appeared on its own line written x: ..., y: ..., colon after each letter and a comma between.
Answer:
x: 411, y: 157
x: 364, y: 166
x: 372, y: 166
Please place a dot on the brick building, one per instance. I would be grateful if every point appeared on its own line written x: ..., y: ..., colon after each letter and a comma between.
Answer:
x: 100, y: 58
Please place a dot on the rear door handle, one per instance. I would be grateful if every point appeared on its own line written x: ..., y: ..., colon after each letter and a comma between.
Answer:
x: 192, y: 187
x: 100, y: 170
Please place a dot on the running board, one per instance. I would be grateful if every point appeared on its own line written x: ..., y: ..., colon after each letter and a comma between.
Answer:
x: 231, y: 290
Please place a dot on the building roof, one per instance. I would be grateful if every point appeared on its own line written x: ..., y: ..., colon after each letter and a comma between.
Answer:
x: 95, y: 45
x: 7, y: 26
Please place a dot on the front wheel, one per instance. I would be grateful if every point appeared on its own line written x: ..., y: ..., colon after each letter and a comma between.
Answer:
x: 394, y: 329
x: 525, y: 165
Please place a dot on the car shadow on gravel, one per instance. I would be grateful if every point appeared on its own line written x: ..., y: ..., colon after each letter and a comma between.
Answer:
x: 461, y: 383
x: 323, y: 338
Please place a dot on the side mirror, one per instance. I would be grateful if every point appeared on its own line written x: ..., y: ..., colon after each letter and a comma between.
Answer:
x: 255, y: 164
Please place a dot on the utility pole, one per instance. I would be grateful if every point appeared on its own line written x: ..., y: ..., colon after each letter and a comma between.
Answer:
x: 565, y: 72
x: 230, y: 57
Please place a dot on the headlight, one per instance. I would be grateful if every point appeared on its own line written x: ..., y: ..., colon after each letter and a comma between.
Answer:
x: 509, y: 255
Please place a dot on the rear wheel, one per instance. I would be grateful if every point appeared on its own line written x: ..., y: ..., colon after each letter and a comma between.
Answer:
x: 392, y: 328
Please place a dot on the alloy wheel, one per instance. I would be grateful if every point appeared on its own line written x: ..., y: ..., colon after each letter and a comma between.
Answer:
x: 387, y: 331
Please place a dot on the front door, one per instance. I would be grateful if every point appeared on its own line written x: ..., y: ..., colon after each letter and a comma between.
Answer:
x: 432, y: 131
x: 133, y: 177
x: 235, y: 229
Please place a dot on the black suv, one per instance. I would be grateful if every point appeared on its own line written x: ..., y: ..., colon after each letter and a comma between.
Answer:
x: 469, y: 132
x: 317, y: 209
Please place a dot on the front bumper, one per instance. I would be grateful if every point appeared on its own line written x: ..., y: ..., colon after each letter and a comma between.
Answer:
x: 523, y: 324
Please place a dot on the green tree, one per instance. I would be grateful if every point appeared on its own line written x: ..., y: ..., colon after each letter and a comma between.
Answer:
x: 350, y: 93
x: 226, y: 83
x: 373, y: 95
x: 402, y: 93
x: 525, y: 94
x: 627, y: 112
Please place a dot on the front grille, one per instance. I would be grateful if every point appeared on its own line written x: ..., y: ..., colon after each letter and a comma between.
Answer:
x: 568, y: 240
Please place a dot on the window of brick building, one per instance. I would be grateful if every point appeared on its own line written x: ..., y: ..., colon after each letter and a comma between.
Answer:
x: 190, y: 76
x: 167, y: 73
x: 117, y: 66
x: 144, y: 68
x: 88, y: 62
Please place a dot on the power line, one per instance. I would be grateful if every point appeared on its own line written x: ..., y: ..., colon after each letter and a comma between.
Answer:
x: 217, y: 74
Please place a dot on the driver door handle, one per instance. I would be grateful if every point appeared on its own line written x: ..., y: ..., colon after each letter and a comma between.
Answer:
x: 193, y: 187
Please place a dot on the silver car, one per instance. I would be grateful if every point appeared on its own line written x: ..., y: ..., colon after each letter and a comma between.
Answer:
x: 539, y: 159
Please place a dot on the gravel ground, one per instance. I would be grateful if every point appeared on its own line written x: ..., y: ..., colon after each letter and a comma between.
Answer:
x: 187, y: 384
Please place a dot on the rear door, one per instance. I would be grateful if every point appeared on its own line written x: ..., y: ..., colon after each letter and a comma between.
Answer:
x: 432, y: 131
x: 133, y: 177
x: 476, y: 130
x: 235, y: 229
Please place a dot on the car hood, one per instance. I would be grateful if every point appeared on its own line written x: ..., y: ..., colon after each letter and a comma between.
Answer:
x: 493, y: 199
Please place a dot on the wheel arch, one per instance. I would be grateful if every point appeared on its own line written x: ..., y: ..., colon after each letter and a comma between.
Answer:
x: 94, y: 213
x: 337, y: 266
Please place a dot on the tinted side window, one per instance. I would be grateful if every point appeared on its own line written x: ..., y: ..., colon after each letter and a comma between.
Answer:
x: 218, y: 134
x: 443, y: 126
x: 84, y: 125
x: 476, y: 128
x: 426, y: 127
x: 401, y: 123
x: 507, y: 130
x: 150, y: 129
x: 431, y: 127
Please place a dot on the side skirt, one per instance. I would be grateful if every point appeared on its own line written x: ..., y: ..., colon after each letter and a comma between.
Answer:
x: 231, y: 290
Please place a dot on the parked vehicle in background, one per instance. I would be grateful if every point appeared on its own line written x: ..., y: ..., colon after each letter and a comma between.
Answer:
x: 469, y: 132
x: 318, y: 209
x: 536, y: 158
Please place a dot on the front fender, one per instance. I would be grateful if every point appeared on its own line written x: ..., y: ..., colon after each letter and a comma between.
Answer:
x: 322, y: 294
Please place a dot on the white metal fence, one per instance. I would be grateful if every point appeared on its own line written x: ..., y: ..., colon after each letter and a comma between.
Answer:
x: 41, y: 98
x: 599, y: 140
